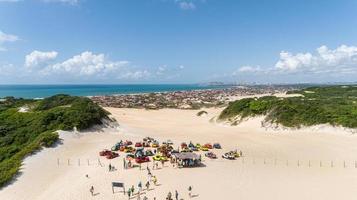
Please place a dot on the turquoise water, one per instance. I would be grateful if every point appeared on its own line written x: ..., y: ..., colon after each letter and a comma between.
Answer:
x: 41, y: 91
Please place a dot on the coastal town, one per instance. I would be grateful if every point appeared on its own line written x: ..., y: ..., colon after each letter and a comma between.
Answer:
x: 194, y: 99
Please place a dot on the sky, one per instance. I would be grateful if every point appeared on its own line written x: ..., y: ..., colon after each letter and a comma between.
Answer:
x: 177, y: 41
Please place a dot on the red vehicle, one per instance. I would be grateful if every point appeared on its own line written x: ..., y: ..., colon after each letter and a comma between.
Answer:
x: 112, y: 155
x: 183, y: 145
x: 105, y: 152
x: 142, y: 159
x: 208, y: 146
x: 138, y: 144
x: 128, y: 142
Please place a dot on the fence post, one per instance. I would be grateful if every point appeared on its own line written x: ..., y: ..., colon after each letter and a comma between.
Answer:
x: 320, y: 163
x: 68, y: 161
x: 309, y: 163
x: 344, y: 164
x: 264, y: 161
x: 298, y: 164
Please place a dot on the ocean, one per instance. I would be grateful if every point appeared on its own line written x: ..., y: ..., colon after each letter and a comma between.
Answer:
x: 42, y: 91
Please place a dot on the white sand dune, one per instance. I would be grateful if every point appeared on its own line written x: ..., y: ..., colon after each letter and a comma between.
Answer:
x: 277, y: 164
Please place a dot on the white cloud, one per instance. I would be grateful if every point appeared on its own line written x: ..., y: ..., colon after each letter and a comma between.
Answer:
x: 39, y: 58
x: 186, y: 5
x: 181, y: 67
x: 247, y: 68
x: 135, y: 75
x: 86, y: 64
x: 6, y: 38
x: 324, y: 60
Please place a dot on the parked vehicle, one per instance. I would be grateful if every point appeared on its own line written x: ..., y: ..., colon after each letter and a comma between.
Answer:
x: 203, y: 148
x: 142, y: 159
x: 138, y: 144
x: 104, y: 152
x: 193, y: 148
x: 228, y: 156
x: 211, y: 155
x: 129, y: 150
x: 208, y: 146
x: 149, y: 153
x: 217, y: 146
x: 112, y: 155
x: 183, y: 145
x: 186, y: 149
x: 159, y: 157
x: 155, y: 145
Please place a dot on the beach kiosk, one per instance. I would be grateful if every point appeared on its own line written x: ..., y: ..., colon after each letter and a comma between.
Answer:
x: 188, y: 159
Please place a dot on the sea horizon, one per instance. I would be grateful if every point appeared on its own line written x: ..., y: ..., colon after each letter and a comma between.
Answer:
x: 32, y: 91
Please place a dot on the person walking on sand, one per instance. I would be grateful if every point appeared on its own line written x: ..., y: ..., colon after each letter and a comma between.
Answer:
x: 132, y: 190
x: 91, y: 190
x: 110, y: 167
x: 147, y: 185
x: 140, y: 186
x: 154, y: 180
x: 129, y: 193
x: 190, y: 191
x: 176, y: 195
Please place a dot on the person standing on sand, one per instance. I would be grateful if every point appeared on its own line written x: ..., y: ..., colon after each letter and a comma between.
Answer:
x: 91, y: 190
x: 110, y: 167
x: 190, y: 191
x: 176, y: 195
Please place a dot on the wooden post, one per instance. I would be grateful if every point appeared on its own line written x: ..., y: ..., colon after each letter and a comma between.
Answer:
x: 309, y: 163
x: 320, y: 163
x: 68, y: 161
x: 298, y: 164
x: 264, y: 161
x: 344, y: 164
x: 287, y: 162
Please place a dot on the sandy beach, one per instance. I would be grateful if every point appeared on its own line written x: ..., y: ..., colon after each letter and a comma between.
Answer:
x: 287, y: 164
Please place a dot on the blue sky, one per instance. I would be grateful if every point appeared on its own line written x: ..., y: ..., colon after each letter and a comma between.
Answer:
x: 177, y: 41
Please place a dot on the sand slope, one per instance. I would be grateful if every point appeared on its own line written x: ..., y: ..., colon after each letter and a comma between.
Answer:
x: 275, y: 166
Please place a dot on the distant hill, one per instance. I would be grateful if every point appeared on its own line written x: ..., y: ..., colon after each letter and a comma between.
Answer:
x: 335, y: 105
x: 23, y: 131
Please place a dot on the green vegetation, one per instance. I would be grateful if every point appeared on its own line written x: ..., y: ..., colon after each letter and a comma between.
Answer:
x: 335, y: 105
x: 22, y: 133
